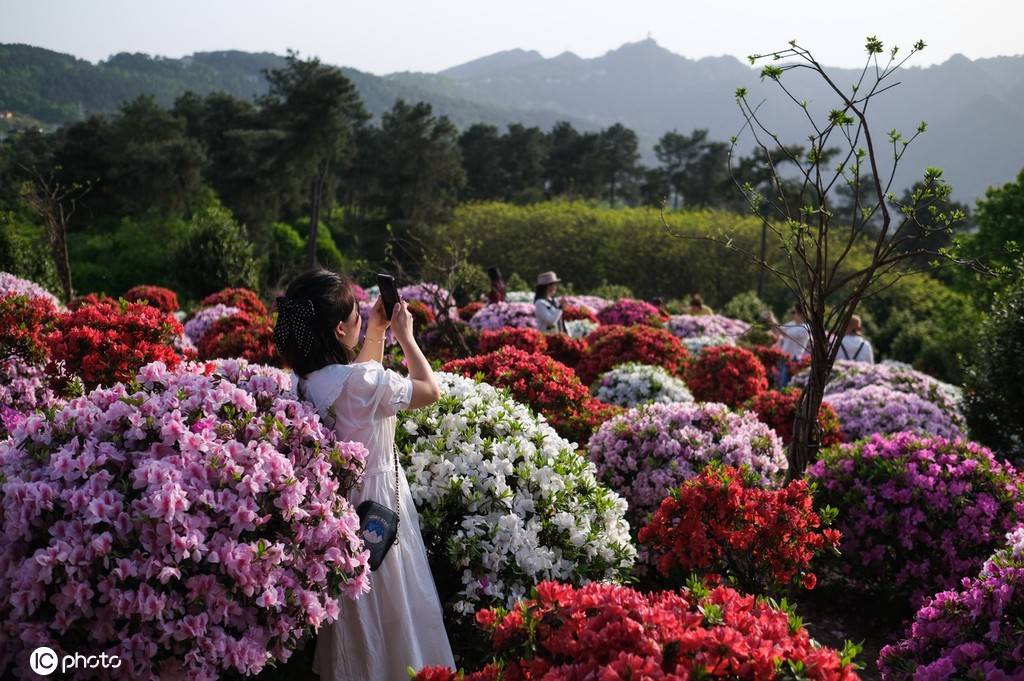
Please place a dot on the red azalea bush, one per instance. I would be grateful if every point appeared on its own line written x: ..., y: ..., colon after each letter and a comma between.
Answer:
x: 527, y: 340
x: 25, y: 322
x: 609, y: 346
x: 161, y: 298
x: 466, y: 312
x: 769, y: 356
x: 726, y: 374
x: 571, y: 313
x: 88, y: 299
x: 607, y: 632
x: 242, y: 298
x: 548, y: 387
x: 778, y: 410
x: 422, y: 315
x: 109, y: 341
x: 723, y: 523
x: 568, y: 351
x: 242, y: 336
x: 628, y: 312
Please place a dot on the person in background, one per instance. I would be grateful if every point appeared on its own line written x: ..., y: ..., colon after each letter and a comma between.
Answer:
x: 794, y: 340
x: 855, y: 347
x: 697, y: 306
x: 548, y: 308
x: 497, y: 292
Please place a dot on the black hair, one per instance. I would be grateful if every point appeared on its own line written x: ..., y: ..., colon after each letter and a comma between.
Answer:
x: 541, y: 291
x: 307, y: 315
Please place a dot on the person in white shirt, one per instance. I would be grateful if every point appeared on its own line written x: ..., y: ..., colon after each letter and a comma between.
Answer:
x: 547, y: 308
x: 855, y: 347
x: 794, y: 341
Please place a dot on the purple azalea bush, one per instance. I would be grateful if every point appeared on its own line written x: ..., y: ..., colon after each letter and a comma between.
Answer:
x: 501, y: 315
x: 434, y: 296
x: 191, y: 523
x: 881, y: 409
x: 629, y: 312
x: 203, y: 320
x: 24, y: 389
x: 690, y: 326
x: 648, y: 450
x: 970, y: 632
x: 594, y: 303
x: 917, y: 514
x: 11, y: 285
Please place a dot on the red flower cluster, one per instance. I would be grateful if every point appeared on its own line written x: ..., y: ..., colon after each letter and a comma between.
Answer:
x: 422, y: 315
x: 242, y: 335
x: 721, y: 523
x: 609, y: 632
x: 24, y: 323
x: 470, y: 309
x: 88, y: 299
x: 527, y: 340
x: 242, y: 298
x: 769, y: 356
x: 109, y: 341
x: 778, y: 410
x: 568, y: 351
x: 612, y: 345
x: 571, y: 313
x: 161, y: 298
x: 548, y: 387
x: 727, y: 374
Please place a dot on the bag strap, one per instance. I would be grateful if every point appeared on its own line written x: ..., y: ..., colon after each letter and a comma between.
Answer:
x: 398, y: 496
x: 860, y: 347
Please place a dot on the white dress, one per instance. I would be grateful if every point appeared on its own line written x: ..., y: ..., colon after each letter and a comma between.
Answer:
x: 398, y: 624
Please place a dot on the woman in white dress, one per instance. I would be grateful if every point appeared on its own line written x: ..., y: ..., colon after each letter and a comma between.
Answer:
x: 398, y: 624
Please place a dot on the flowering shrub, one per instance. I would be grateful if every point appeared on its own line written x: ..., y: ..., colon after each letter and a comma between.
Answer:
x: 880, y: 409
x: 359, y: 293
x: 547, y: 386
x: 88, y: 299
x: 11, y: 285
x: 242, y: 298
x: 723, y: 524
x: 163, y: 299
x: 504, y: 502
x: 499, y: 315
x: 778, y: 410
x: 726, y: 374
x: 204, y: 319
x: 609, y: 632
x: 593, y: 303
x: 242, y: 336
x: 628, y: 312
x: 25, y: 322
x: 971, y: 632
x: 466, y: 313
x: 696, y: 344
x: 649, y: 450
x: 23, y: 389
x: 580, y: 328
x: 574, y: 313
x: 769, y: 356
x: 916, y: 513
x: 441, y: 342
x: 190, y: 524
x: 527, y: 340
x: 691, y: 326
x: 435, y: 297
x: 422, y: 314
x: 631, y: 384
x: 565, y: 349
x: 519, y: 297
x: 613, y: 345
x: 110, y: 341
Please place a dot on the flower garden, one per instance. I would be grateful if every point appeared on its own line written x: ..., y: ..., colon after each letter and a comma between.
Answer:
x: 609, y: 504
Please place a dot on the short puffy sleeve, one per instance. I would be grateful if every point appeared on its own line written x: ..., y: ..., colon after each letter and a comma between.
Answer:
x: 372, y: 391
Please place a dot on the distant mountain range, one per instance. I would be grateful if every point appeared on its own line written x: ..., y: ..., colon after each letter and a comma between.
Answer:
x: 974, y: 108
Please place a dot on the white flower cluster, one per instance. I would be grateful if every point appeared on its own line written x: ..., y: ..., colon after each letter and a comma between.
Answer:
x: 696, y: 344
x: 580, y: 328
x: 519, y: 296
x: 632, y: 384
x: 504, y: 501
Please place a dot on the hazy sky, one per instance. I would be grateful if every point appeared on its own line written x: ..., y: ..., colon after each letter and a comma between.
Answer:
x: 429, y: 35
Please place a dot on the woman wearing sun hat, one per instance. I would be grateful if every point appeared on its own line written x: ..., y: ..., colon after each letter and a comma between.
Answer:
x: 548, y: 308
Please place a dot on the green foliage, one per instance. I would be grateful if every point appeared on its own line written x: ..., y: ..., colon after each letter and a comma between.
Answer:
x: 218, y: 254
x: 24, y: 251
x: 994, y: 384
x: 746, y: 306
x: 612, y: 291
x: 999, y: 237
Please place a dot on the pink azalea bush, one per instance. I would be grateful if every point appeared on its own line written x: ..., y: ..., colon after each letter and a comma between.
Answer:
x: 970, y: 632
x: 434, y: 296
x: 917, y: 514
x: 203, y: 320
x: 24, y: 388
x: 880, y: 409
x: 650, y: 450
x: 593, y: 303
x: 692, y: 326
x: 500, y: 315
x: 191, y: 522
x: 629, y: 312
x: 11, y: 285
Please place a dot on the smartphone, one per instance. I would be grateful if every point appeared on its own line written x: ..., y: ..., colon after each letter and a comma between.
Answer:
x: 388, y: 293
x: 494, y: 273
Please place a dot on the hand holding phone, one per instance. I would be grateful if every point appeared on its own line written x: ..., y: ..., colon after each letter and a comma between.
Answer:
x: 388, y: 293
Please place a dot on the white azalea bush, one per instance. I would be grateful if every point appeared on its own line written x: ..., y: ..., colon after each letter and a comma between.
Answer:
x: 632, y: 384
x: 580, y: 328
x: 695, y: 345
x: 504, y: 501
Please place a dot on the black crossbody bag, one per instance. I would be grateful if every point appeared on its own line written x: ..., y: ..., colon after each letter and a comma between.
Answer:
x: 378, y: 524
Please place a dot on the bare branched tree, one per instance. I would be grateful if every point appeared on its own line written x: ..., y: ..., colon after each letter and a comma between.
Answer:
x: 828, y: 262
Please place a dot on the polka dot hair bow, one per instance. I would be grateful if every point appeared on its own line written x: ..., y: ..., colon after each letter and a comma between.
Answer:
x: 293, y: 323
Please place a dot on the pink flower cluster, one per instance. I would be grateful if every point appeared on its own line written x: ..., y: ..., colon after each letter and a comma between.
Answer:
x: 192, y: 523
x: 500, y: 315
x: 11, y: 285
x: 880, y: 409
x: 917, y: 514
x: 434, y: 296
x: 23, y: 389
x: 693, y: 326
x: 629, y: 312
x: 650, y: 450
x: 203, y: 320
x: 593, y: 303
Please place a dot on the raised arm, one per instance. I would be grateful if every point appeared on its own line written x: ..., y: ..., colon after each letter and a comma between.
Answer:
x: 425, y: 390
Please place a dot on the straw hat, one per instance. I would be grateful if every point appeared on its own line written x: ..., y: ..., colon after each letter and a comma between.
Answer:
x: 545, y: 278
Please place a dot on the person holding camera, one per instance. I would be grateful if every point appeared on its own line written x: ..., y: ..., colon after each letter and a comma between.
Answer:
x: 548, y: 308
